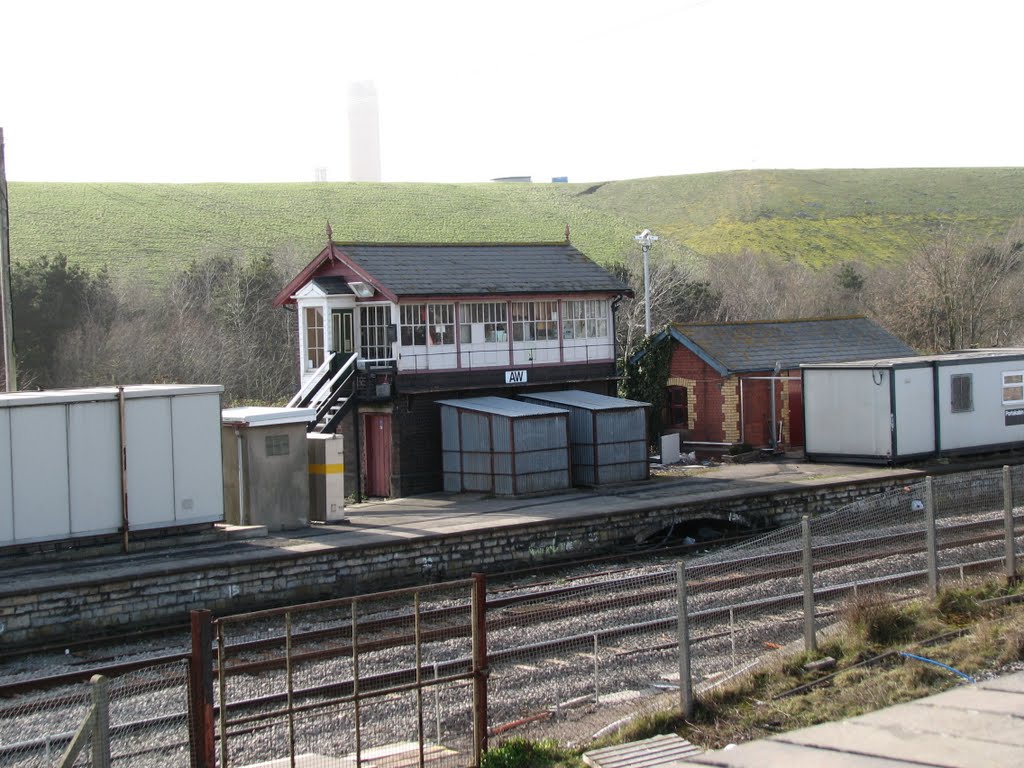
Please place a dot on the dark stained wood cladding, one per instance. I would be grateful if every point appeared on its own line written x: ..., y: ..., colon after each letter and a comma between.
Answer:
x: 549, y: 376
x: 417, y: 424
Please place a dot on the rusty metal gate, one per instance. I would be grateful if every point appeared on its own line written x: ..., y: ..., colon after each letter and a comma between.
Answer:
x: 387, y: 679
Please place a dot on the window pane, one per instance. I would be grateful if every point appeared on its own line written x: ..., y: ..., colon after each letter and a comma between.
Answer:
x: 960, y: 389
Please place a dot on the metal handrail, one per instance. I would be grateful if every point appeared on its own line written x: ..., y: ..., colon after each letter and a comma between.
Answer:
x: 313, y: 384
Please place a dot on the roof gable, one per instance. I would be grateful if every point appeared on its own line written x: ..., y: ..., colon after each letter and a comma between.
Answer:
x: 409, y: 269
x: 759, y: 346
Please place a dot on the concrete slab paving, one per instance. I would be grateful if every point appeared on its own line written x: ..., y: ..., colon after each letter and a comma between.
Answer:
x: 926, y: 718
x: 897, y: 741
x: 981, y: 700
x: 967, y: 727
x: 777, y: 754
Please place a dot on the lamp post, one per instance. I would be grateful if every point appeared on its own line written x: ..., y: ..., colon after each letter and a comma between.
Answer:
x: 645, y: 239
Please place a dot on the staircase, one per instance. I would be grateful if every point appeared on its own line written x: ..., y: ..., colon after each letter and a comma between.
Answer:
x: 330, y: 391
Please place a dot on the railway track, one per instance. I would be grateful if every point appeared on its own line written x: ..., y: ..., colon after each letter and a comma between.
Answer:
x: 513, y: 608
x: 730, y: 574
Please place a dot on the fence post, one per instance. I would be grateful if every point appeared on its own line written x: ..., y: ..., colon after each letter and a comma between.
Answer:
x: 810, y: 640
x: 930, y: 538
x: 101, y: 722
x: 200, y: 691
x: 1011, y: 553
x: 683, y: 628
x: 480, y: 670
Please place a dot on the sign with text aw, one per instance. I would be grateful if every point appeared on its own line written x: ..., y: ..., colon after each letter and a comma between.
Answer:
x: 515, y: 377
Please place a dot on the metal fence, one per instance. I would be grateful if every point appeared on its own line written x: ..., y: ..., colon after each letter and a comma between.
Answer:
x: 433, y: 675
x: 145, y: 723
x: 388, y: 679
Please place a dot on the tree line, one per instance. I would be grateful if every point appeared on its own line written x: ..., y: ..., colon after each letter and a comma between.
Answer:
x: 213, y: 322
x: 954, y: 293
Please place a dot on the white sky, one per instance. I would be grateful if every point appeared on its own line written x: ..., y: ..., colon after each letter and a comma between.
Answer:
x: 217, y: 90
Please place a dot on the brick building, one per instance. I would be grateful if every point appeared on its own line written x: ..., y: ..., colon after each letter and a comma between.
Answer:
x: 723, y: 377
x: 387, y: 330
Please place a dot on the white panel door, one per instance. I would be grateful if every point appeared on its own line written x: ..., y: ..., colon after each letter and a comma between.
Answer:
x: 150, y: 462
x: 40, y: 468
x: 95, y: 467
x: 6, y: 489
x: 198, y: 470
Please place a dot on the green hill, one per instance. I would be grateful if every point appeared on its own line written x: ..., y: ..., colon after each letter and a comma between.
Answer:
x: 816, y: 217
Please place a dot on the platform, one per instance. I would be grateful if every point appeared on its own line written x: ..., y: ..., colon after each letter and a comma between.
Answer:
x: 967, y: 727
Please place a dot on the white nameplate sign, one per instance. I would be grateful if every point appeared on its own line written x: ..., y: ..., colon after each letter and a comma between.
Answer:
x: 515, y: 377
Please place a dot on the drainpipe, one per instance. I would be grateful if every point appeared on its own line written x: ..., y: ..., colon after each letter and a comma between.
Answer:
x: 243, y: 516
x: 775, y: 373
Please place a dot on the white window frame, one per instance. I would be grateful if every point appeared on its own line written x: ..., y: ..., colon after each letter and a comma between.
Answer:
x: 1013, y: 385
x: 585, y: 319
x: 310, y: 352
x: 490, y: 317
x: 533, y: 318
x: 379, y: 331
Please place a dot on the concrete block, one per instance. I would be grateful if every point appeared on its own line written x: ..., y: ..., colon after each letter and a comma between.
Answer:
x: 670, y: 448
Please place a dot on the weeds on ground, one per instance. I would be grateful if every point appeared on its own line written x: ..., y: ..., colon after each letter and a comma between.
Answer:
x: 524, y: 753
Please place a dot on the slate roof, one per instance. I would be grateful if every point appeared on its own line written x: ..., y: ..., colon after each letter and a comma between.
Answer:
x: 757, y: 346
x: 446, y: 269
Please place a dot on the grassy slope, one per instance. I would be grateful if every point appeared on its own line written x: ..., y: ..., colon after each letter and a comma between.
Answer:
x: 818, y: 217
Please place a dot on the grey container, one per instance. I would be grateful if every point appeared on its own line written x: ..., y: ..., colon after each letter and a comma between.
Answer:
x: 608, y: 435
x: 505, y: 447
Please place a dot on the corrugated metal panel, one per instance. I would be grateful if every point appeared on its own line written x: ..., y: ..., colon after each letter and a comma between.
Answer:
x: 487, y: 460
x: 577, y: 398
x: 604, y: 432
x: 656, y: 752
x: 501, y: 406
x: 475, y: 429
x: 449, y: 429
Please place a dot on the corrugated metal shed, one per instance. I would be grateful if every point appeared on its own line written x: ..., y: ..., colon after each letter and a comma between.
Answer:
x: 608, y: 435
x: 655, y: 752
x: 505, y: 447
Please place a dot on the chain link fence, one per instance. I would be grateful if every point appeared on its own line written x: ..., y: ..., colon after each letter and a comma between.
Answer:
x: 578, y: 661
x: 144, y: 723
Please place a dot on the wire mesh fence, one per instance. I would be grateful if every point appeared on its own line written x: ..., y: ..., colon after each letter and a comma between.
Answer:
x: 575, y: 662
x: 145, y: 723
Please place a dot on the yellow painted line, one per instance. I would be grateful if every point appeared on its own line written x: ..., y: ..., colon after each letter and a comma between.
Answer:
x: 326, y: 469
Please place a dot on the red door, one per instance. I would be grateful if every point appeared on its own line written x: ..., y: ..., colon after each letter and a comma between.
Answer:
x: 757, y: 415
x: 796, y: 412
x: 378, y: 454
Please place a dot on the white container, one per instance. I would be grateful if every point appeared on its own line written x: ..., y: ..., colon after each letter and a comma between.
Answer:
x: 60, y: 469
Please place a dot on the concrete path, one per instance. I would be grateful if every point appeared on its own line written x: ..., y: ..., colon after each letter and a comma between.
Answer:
x: 967, y: 727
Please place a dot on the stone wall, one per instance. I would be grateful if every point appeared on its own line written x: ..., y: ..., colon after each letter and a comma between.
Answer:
x: 250, y: 578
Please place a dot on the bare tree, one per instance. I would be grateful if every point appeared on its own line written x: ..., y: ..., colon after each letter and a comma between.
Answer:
x: 956, y: 293
x: 677, y: 295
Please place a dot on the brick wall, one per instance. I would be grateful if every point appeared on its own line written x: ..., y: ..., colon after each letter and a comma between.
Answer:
x: 704, y: 394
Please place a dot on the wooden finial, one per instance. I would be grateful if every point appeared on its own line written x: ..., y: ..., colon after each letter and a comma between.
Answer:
x: 330, y: 240
x: 567, y: 233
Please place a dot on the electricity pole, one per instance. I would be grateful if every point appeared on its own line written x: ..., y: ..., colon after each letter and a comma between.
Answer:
x: 5, y: 277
